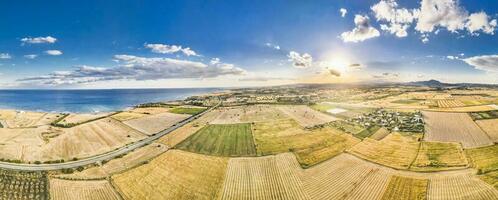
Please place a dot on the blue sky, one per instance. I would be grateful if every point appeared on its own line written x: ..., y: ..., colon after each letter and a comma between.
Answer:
x: 114, y: 44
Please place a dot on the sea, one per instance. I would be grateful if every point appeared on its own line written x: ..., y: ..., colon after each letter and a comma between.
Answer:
x: 91, y: 101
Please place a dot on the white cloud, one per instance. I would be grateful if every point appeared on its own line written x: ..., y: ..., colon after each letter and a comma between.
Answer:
x: 38, y: 40
x: 480, y: 21
x: 137, y: 68
x: 452, y: 57
x: 170, y: 49
x: 5, y: 56
x: 361, y: 32
x: 300, y: 60
x: 398, y: 19
x: 486, y: 62
x: 53, y: 52
x: 31, y: 56
x: 343, y: 12
x: 274, y: 46
x: 214, y: 61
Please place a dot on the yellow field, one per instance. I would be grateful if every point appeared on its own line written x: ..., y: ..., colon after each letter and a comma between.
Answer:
x: 490, y: 126
x: 460, y: 187
x: 247, y: 114
x: 118, y: 165
x: 305, y: 116
x: 263, y: 177
x: 380, y: 134
x: 21, y: 144
x: 405, y: 188
x: 150, y: 110
x: 82, y: 190
x: 153, y: 124
x: 454, y: 127
x: 437, y: 156
x: 311, y: 146
x: 126, y: 115
x: 465, y: 109
x: 174, y: 175
x: 89, y: 139
x: 395, y: 150
x: 20, y: 119
x: 491, y: 178
x: 449, y: 103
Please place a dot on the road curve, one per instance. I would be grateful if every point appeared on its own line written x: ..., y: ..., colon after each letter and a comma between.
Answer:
x: 101, y: 157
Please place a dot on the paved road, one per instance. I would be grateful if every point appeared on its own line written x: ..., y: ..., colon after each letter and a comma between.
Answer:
x: 106, y: 156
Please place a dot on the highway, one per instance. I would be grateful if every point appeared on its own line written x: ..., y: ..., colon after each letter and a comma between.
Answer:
x: 101, y: 157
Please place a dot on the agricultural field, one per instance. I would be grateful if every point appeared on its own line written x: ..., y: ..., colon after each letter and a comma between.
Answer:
x: 340, y: 110
x: 462, y: 186
x: 117, y: 165
x: 75, y: 119
x: 150, y: 110
x: 21, y: 143
x: 23, y: 185
x: 484, y: 158
x: 174, y: 174
x: 247, y: 114
x: 380, y: 134
x: 82, y: 190
x: 311, y: 146
x: 153, y: 124
x: 491, y: 178
x: 369, y: 131
x: 449, y: 103
x: 454, y: 127
x: 437, y: 156
x: 306, y: 116
x: 275, y: 177
x: 89, y: 139
x: 221, y: 140
x: 484, y: 115
x: 22, y: 119
x: 173, y: 138
x: 127, y: 115
x: 405, y: 188
x: 347, y: 127
x: 396, y: 151
x: 490, y: 126
x: 465, y: 109
x: 189, y: 110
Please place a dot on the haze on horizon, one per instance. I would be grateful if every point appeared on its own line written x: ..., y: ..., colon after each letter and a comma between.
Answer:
x: 138, y: 44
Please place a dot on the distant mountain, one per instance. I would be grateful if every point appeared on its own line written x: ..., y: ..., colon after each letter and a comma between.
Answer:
x: 431, y: 83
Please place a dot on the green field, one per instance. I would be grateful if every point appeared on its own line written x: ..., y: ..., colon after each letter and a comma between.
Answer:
x: 221, y: 140
x: 484, y: 158
x: 367, y: 132
x: 187, y: 110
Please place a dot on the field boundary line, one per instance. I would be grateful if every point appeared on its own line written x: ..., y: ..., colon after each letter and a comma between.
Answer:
x: 115, y: 188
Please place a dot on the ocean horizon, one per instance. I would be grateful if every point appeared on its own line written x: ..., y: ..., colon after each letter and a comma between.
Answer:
x: 90, y: 100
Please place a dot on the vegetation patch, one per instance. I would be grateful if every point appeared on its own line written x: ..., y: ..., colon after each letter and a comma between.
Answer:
x: 491, y: 178
x: 221, y: 140
x: 493, y: 114
x: 436, y: 156
x: 347, y: 127
x: 23, y: 185
x: 369, y: 131
x: 187, y: 110
x: 405, y: 188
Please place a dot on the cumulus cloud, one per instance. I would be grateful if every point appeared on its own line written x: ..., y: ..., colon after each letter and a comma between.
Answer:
x: 300, y: 60
x: 170, y: 49
x: 343, y: 12
x: 398, y: 19
x: 486, y: 62
x: 53, y: 52
x: 38, y: 40
x: 273, y: 46
x: 5, y: 56
x: 31, y: 56
x: 362, y: 31
x: 386, y: 75
x: 480, y: 21
x: 137, y: 68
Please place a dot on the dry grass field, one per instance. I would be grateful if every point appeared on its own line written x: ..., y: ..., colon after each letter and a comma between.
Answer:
x: 462, y: 186
x: 437, y: 156
x: 118, y: 165
x: 174, y: 175
x: 306, y: 116
x: 21, y: 143
x: 485, y: 158
x: 247, y: 114
x: 454, y: 127
x: 465, y: 109
x: 380, y: 134
x: 491, y: 178
x: 269, y: 177
x: 395, y: 150
x: 22, y: 119
x: 490, y: 126
x: 311, y: 146
x: 150, y: 110
x: 127, y: 115
x: 89, y: 139
x: 82, y: 190
x: 75, y: 118
x: 182, y: 133
x: 449, y: 103
x: 406, y: 188
x: 221, y: 140
x: 153, y: 124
